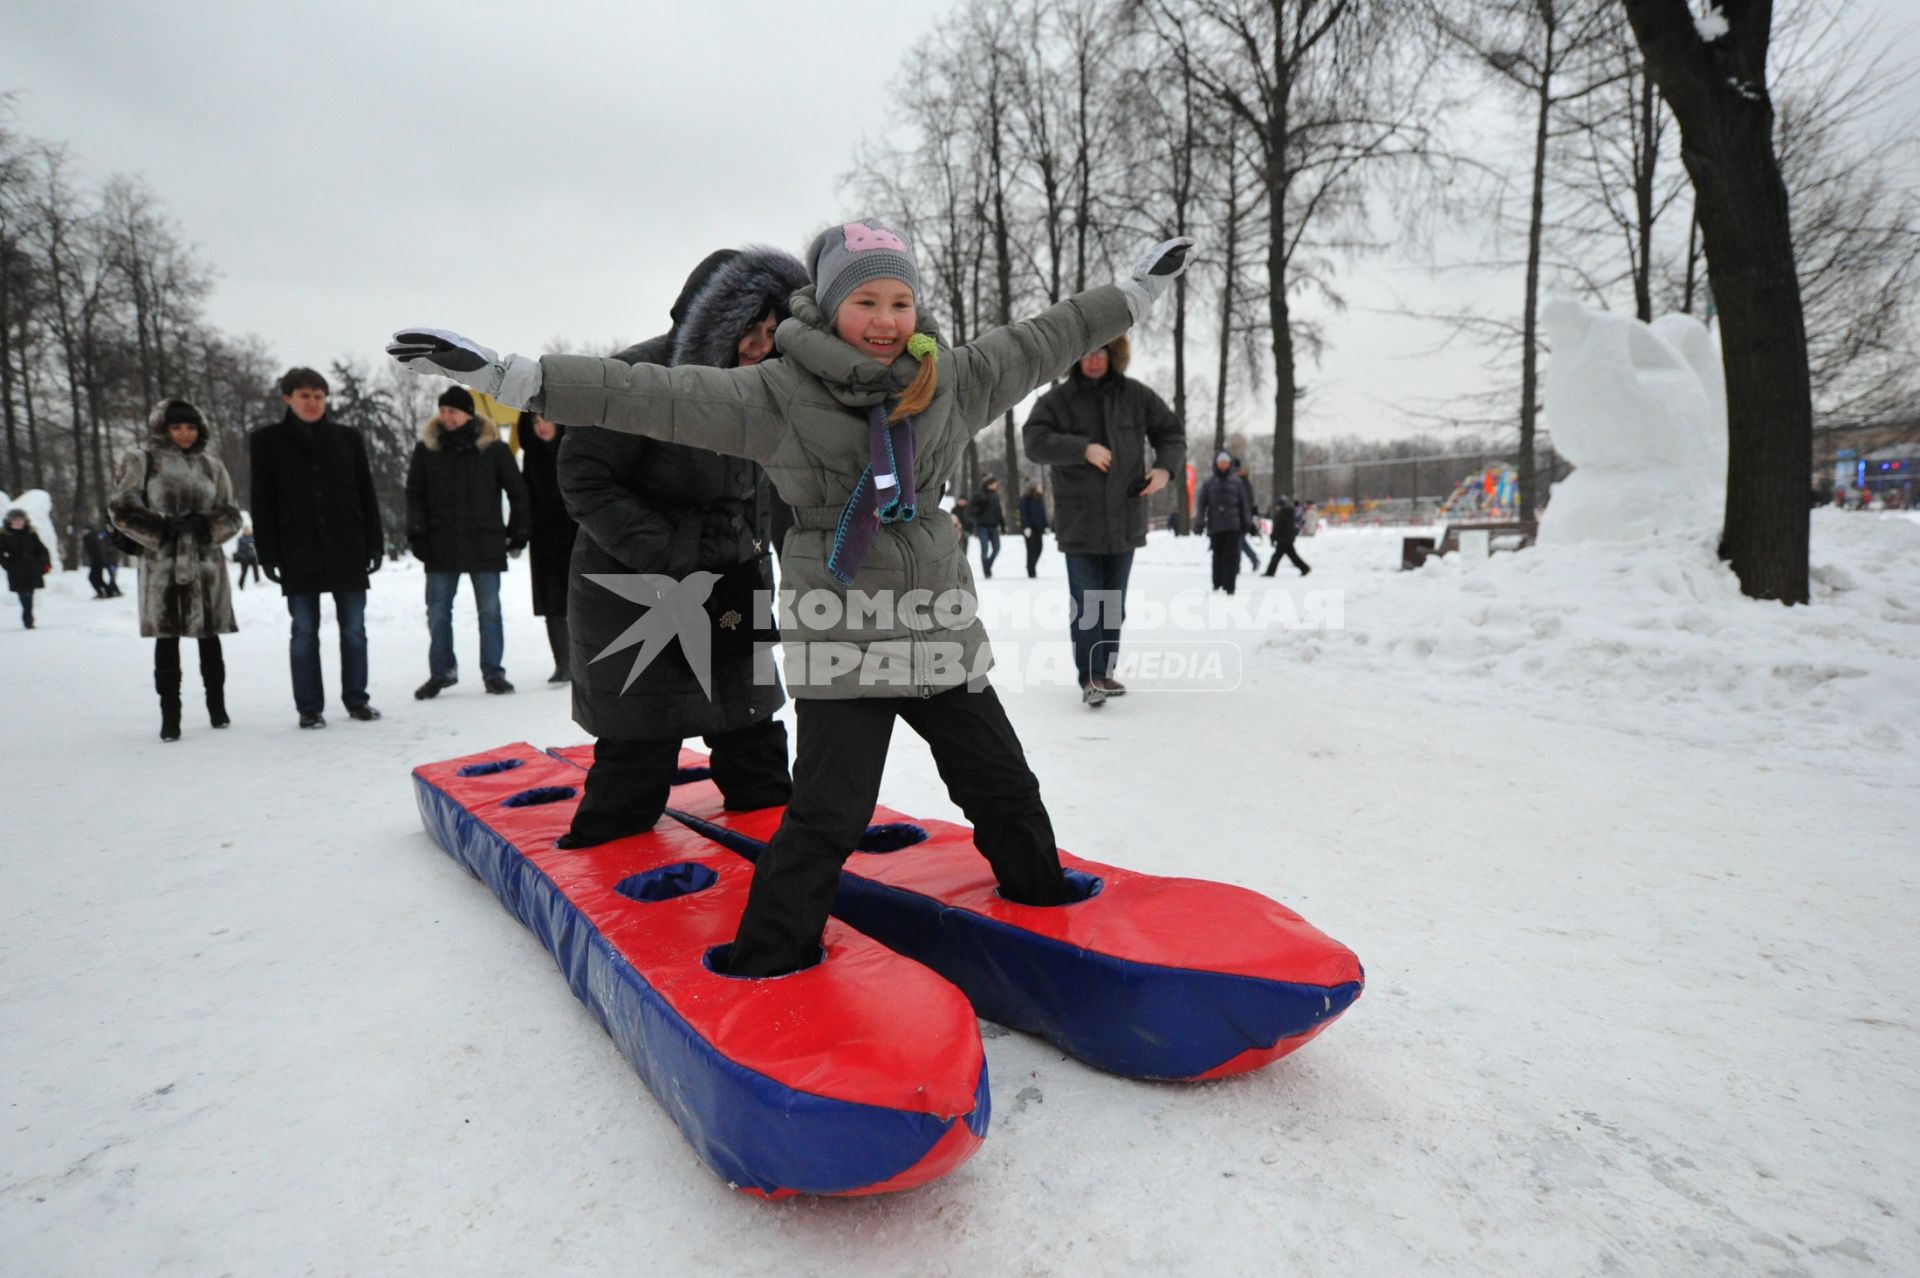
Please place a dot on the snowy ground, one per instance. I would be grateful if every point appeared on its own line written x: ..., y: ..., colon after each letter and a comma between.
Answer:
x: 1629, y: 862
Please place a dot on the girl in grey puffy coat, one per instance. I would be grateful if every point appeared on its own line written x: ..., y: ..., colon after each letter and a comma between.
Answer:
x: 865, y: 409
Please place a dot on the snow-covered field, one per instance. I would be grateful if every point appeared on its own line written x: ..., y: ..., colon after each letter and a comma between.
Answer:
x: 1630, y: 862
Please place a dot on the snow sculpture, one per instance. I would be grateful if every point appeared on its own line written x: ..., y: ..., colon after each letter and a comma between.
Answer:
x: 1640, y: 410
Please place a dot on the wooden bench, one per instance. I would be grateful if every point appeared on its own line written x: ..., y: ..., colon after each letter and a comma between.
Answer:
x: 1415, y: 551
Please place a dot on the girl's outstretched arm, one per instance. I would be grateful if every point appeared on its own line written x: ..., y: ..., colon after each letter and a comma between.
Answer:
x: 994, y: 373
x: 737, y: 411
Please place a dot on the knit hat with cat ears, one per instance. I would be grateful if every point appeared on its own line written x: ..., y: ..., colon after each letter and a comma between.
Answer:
x: 842, y: 258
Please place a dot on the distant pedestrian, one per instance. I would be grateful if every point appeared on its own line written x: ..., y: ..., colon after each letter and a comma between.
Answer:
x: 1246, y: 540
x: 459, y: 472
x: 1285, y: 528
x: 247, y: 554
x: 176, y: 500
x: 1033, y: 525
x: 1225, y: 509
x: 25, y: 558
x: 988, y: 517
x: 102, y: 557
x: 551, y: 531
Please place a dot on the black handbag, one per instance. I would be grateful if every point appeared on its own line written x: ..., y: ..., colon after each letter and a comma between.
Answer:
x: 121, y: 542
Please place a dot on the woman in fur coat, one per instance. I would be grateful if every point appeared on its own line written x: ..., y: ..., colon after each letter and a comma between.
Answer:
x: 647, y: 506
x: 25, y: 558
x: 177, y: 502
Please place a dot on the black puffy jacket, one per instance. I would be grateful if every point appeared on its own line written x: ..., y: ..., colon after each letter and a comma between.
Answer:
x: 454, y: 485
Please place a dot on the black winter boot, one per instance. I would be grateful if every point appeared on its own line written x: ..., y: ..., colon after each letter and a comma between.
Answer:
x: 213, y: 674
x: 167, y: 684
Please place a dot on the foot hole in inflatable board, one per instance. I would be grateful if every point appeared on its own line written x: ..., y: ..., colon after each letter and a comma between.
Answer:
x: 682, y: 776
x: 540, y: 794
x: 668, y: 882
x: 715, y: 961
x: 890, y: 836
x: 488, y: 769
x: 1084, y: 887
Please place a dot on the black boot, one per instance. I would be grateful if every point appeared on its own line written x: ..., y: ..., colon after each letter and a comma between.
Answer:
x: 213, y: 673
x: 560, y: 642
x: 167, y: 684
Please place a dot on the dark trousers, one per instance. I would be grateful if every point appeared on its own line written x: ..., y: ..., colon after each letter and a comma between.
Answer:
x: 248, y: 566
x: 1097, y: 594
x: 1286, y: 548
x: 1036, y: 542
x: 303, y: 650
x: 97, y: 578
x: 989, y: 535
x: 627, y: 787
x: 836, y: 781
x: 1246, y: 548
x: 1226, y: 559
x: 26, y: 608
x: 561, y: 643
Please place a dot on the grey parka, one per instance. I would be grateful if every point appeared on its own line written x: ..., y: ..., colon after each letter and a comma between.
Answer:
x: 907, y: 624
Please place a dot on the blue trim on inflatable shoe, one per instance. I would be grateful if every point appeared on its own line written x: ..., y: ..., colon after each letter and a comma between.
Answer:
x: 753, y: 1131
x: 1140, y: 1020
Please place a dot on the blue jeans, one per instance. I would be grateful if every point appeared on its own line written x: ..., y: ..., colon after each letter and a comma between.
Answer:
x: 1246, y: 548
x: 493, y: 640
x: 989, y: 536
x: 350, y: 611
x: 1098, y: 586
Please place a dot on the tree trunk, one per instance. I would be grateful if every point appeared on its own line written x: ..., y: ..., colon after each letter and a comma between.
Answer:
x: 1718, y: 96
x: 1530, y: 316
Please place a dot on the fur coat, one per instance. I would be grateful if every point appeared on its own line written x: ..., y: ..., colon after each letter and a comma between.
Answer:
x: 184, y: 592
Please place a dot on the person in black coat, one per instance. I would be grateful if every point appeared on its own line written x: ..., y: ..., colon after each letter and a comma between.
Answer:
x: 1286, y: 527
x: 987, y: 519
x: 102, y: 557
x: 25, y: 558
x: 551, y: 532
x: 1033, y: 524
x: 646, y: 507
x: 1224, y: 507
x: 459, y: 471
x: 316, y: 530
x: 246, y: 553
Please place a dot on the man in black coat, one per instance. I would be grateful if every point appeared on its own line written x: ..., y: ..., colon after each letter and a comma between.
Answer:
x: 316, y: 530
x: 649, y: 507
x: 1286, y: 527
x: 459, y: 471
x: 988, y: 517
x: 1095, y: 430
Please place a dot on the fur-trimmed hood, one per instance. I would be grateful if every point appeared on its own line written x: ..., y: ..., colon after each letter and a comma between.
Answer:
x: 485, y: 435
x: 1119, y: 355
x: 733, y: 296
x: 157, y: 425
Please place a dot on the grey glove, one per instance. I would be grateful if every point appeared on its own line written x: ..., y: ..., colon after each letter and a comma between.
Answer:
x: 514, y: 381
x: 1154, y: 274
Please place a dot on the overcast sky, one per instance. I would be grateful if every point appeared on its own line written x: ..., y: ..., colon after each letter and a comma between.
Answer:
x: 521, y: 173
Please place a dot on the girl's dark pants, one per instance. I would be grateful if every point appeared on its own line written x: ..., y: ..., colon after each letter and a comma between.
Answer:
x: 837, y: 767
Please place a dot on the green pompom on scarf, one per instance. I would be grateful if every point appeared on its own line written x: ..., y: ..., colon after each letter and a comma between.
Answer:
x: 922, y: 347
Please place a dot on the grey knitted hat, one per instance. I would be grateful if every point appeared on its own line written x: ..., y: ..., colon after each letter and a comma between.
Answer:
x: 845, y: 257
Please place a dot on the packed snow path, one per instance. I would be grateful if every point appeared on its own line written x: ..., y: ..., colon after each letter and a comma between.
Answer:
x: 1630, y: 867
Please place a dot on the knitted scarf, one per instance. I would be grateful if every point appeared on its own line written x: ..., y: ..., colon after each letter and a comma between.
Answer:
x: 883, y: 495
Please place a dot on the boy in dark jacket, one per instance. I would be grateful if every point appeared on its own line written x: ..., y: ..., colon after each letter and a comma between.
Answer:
x: 25, y: 558
x: 1033, y: 524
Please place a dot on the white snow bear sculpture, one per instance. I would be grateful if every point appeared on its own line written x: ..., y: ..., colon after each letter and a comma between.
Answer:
x: 1641, y: 412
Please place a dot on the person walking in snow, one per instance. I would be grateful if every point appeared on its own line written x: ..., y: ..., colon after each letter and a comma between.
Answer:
x: 246, y: 553
x: 550, y: 534
x: 1253, y: 529
x: 988, y: 517
x: 316, y: 531
x: 25, y: 558
x: 1286, y: 527
x: 459, y: 471
x: 1033, y: 524
x: 1224, y: 508
x: 96, y: 547
x: 1111, y: 444
x: 650, y: 506
x: 865, y: 409
x: 176, y: 501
